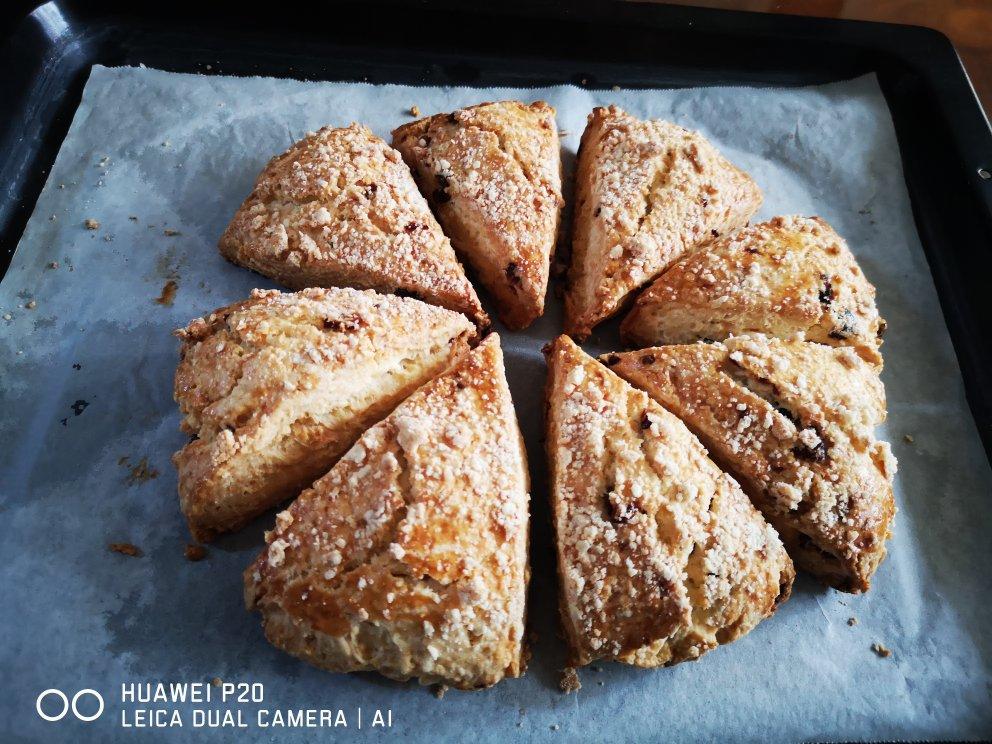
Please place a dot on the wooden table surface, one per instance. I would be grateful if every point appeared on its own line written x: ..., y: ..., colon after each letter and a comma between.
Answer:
x: 968, y: 23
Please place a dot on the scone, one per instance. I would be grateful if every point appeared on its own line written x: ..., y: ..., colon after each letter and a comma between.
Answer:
x: 661, y: 556
x: 410, y: 556
x: 793, y: 421
x: 785, y: 277
x: 275, y: 388
x: 340, y: 208
x: 492, y: 174
x: 646, y: 193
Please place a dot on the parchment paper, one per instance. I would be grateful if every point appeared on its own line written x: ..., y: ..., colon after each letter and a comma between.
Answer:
x: 86, y: 380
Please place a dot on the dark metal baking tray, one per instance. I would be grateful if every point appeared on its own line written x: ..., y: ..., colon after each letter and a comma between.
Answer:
x: 944, y: 135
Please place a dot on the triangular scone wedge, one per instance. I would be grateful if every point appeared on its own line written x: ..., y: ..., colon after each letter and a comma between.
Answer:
x: 277, y: 387
x: 340, y: 208
x: 793, y: 421
x: 492, y: 173
x: 646, y: 193
x: 785, y: 277
x: 661, y: 556
x: 409, y: 557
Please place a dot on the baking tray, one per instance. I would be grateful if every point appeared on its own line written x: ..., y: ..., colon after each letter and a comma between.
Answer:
x: 943, y: 133
x: 532, y: 47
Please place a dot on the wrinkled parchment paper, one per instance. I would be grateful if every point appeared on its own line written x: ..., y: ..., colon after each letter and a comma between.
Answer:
x: 161, y: 161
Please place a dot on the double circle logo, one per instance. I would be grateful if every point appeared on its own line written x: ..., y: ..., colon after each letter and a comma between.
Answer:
x: 67, y: 705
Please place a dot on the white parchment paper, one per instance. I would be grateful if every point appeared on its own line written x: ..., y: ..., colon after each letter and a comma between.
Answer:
x: 86, y: 380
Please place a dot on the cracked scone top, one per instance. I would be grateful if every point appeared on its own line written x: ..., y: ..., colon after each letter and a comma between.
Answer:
x: 661, y: 555
x: 341, y: 208
x: 410, y: 556
x: 794, y: 422
x: 278, y: 386
x: 646, y: 193
x: 790, y: 275
x: 492, y: 174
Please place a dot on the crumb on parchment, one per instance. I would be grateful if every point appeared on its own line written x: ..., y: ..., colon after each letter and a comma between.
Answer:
x: 439, y: 691
x: 142, y: 472
x: 91, y: 224
x: 168, y: 293
x: 852, y: 621
x: 195, y: 553
x: 415, y: 110
x: 881, y: 650
x: 569, y: 681
x: 124, y: 548
x: 908, y: 438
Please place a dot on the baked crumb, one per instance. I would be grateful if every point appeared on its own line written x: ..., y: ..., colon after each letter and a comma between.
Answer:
x: 415, y: 111
x: 168, y: 294
x: 140, y: 473
x: 169, y: 232
x: 908, y: 438
x: 439, y: 690
x: 195, y: 553
x: 852, y: 621
x: 31, y: 305
x: 128, y: 549
x: 881, y: 650
x: 53, y: 265
x: 216, y: 681
x: 91, y: 224
x: 569, y: 681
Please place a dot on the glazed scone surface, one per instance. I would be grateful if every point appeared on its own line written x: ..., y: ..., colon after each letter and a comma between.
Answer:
x: 661, y: 555
x: 793, y: 422
x: 410, y: 556
x: 646, y: 193
x: 278, y: 386
x: 786, y: 277
x: 492, y: 174
x: 340, y: 208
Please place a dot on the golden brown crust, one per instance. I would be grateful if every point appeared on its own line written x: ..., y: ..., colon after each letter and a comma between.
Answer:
x: 793, y: 421
x: 410, y: 556
x: 788, y: 277
x: 661, y: 555
x: 340, y: 208
x: 492, y: 174
x: 276, y: 387
x: 646, y: 193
